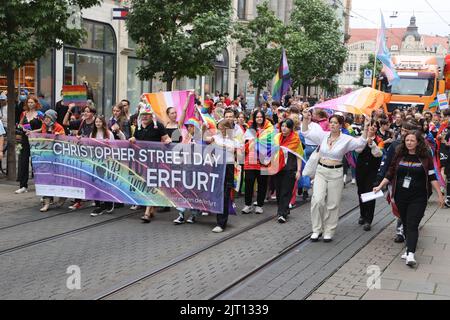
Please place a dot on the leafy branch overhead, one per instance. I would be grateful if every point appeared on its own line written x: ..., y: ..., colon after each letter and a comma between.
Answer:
x: 262, y: 38
x: 29, y: 28
x: 179, y: 38
x: 314, y: 45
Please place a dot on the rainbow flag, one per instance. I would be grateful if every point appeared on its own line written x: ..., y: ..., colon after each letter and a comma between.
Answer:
x: 282, y: 80
x: 160, y: 101
x: 209, y: 120
x: 75, y: 94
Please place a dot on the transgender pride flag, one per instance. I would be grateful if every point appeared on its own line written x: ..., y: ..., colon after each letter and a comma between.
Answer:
x: 384, y: 56
x: 282, y: 80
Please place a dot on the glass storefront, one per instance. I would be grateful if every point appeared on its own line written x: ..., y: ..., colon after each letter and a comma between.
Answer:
x: 46, y: 76
x: 95, y: 64
x: 135, y: 86
x: 25, y: 77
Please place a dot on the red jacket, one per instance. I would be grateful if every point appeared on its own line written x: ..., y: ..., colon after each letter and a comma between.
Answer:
x: 57, y: 128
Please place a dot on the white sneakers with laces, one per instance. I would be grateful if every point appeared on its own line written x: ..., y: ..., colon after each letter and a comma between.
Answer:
x: 217, y: 229
x: 21, y: 190
x: 410, y: 261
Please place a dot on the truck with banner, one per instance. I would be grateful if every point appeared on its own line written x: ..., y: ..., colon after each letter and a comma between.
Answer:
x: 421, y: 82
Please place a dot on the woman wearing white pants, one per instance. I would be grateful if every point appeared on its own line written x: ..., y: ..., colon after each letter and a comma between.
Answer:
x: 328, y: 183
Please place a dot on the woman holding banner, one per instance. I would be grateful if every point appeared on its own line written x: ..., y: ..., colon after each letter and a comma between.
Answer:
x: 101, y: 132
x: 30, y: 120
x: 119, y: 124
x: 149, y: 130
x: 50, y: 126
x: 328, y: 182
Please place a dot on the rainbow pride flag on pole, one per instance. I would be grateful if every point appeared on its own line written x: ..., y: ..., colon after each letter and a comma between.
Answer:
x: 75, y: 94
x: 160, y: 101
x: 282, y: 80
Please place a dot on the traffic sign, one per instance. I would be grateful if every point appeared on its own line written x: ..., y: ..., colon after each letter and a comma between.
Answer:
x: 367, y: 81
x: 367, y: 74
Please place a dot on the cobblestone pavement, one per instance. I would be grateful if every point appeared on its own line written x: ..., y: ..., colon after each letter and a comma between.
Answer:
x: 299, y: 272
x: 430, y: 279
x: 113, y: 253
x: 107, y: 255
x: 207, y: 273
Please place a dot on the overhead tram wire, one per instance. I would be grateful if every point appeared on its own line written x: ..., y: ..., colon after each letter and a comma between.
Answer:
x: 372, y: 22
x: 438, y: 14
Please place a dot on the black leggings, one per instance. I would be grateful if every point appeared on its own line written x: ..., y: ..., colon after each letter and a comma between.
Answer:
x: 24, y: 166
x: 365, y: 179
x: 222, y: 219
x: 250, y: 177
x: 411, y: 214
x: 284, y: 183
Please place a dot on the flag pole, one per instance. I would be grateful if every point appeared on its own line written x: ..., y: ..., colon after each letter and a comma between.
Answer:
x: 375, y: 55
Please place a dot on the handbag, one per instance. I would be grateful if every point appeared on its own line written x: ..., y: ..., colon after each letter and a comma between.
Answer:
x: 311, y: 165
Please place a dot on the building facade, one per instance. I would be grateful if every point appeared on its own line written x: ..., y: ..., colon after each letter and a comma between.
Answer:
x: 400, y: 41
x: 107, y: 60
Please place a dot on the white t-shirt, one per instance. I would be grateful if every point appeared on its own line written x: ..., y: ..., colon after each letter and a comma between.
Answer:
x: 340, y: 147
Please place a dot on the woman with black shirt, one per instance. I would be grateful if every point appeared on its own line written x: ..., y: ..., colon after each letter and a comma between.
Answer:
x: 289, y: 171
x: 30, y: 120
x: 367, y: 164
x: 411, y: 175
x: 149, y: 130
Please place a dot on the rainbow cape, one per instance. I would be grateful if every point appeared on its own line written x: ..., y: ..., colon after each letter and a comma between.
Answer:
x: 260, y: 146
x: 281, y: 147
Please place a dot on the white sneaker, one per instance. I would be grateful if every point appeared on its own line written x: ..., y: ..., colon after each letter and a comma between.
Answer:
x: 410, y: 261
x: 315, y: 236
x: 353, y: 181
x: 281, y: 219
x: 345, y: 179
x: 217, y: 229
x: 290, y: 206
x: 205, y: 213
x: 247, y: 209
x: 404, y: 255
x: 21, y: 190
x: 135, y: 207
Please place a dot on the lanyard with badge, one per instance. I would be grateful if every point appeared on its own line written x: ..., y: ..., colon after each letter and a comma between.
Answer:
x: 407, y: 180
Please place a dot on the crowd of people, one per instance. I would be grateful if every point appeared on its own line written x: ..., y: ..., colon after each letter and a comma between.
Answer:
x: 399, y: 149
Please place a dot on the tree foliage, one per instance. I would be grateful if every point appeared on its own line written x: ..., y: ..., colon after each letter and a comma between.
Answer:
x: 28, y: 28
x: 179, y: 38
x: 369, y: 66
x: 314, y: 43
x: 262, y: 38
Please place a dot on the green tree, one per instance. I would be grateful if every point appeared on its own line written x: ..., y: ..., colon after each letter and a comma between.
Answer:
x: 369, y: 66
x: 179, y: 38
x: 314, y: 43
x: 28, y: 28
x: 262, y: 38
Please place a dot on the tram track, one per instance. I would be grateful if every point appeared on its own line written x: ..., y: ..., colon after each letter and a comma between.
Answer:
x: 66, y: 233
x: 42, y: 218
x: 176, y: 262
x: 303, y: 241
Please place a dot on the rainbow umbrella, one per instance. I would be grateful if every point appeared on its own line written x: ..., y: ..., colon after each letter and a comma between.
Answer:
x: 361, y: 101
